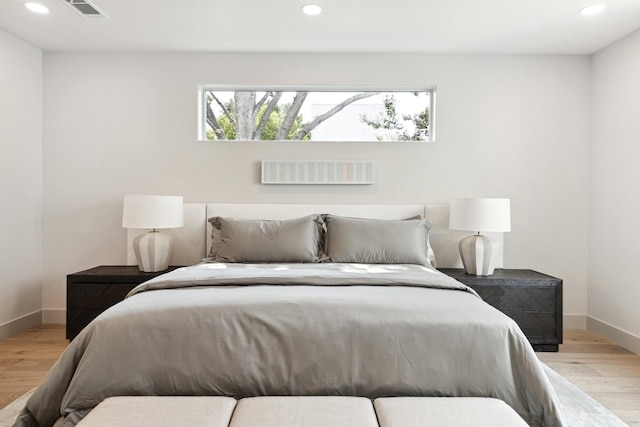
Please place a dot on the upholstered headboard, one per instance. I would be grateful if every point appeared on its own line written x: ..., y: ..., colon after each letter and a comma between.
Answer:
x: 192, y: 242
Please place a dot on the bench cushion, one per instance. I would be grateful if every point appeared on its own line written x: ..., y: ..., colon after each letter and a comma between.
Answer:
x: 307, y: 411
x: 446, y: 411
x: 161, y: 411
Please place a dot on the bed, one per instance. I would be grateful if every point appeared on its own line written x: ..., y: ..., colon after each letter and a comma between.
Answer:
x: 320, y: 304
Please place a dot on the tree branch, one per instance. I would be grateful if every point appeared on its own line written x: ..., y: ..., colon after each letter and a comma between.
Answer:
x: 321, y: 118
x: 267, y: 113
x: 260, y: 103
x: 290, y: 118
x: 244, y: 106
x: 224, y: 109
x: 213, y: 122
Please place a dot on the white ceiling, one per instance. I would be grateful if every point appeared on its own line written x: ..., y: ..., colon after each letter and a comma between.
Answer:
x: 431, y: 26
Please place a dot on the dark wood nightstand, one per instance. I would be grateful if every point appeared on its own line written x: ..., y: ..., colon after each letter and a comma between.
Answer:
x: 92, y: 291
x: 532, y: 299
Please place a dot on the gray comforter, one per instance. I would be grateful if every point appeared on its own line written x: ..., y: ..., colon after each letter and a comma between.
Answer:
x: 297, y: 329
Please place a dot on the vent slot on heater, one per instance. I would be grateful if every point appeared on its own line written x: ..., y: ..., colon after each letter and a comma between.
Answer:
x: 355, y: 172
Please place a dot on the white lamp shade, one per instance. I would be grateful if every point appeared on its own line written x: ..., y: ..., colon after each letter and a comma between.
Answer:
x: 152, y: 212
x: 481, y: 215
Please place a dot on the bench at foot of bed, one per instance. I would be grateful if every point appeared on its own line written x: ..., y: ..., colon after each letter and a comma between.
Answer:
x: 296, y: 411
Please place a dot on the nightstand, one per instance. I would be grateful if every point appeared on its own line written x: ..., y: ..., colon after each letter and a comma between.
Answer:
x: 92, y: 291
x: 532, y: 299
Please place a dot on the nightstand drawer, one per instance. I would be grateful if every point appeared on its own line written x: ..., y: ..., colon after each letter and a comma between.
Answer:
x: 97, y: 295
x: 538, y: 327
x: 512, y: 298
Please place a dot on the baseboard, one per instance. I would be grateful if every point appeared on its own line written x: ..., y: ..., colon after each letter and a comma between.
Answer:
x: 574, y: 321
x: 21, y: 324
x: 622, y: 338
x: 56, y: 317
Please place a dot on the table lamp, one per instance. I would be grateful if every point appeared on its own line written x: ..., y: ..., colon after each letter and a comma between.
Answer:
x: 479, y: 215
x: 152, y: 249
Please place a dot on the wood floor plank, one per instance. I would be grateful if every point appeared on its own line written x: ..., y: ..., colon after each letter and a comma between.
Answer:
x: 26, y: 358
x: 608, y: 373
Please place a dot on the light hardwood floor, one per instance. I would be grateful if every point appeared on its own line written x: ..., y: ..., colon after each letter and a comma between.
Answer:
x: 608, y: 373
x: 26, y: 358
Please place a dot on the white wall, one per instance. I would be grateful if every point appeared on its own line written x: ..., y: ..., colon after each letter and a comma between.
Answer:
x: 20, y: 185
x: 614, y: 290
x: 508, y: 126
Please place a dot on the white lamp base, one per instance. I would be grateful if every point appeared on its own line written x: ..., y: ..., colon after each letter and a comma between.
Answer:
x: 477, y: 254
x: 153, y: 250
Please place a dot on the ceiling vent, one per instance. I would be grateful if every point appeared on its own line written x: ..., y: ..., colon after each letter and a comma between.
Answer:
x: 85, y: 9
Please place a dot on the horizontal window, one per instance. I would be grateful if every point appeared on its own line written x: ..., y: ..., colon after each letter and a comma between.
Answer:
x: 299, y: 114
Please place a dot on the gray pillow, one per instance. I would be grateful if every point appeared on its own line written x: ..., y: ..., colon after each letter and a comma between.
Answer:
x: 374, y: 241
x: 294, y: 240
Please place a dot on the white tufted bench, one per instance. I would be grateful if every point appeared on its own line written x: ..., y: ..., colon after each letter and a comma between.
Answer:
x: 298, y: 411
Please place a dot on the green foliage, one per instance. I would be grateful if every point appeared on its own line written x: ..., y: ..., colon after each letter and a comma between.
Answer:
x: 226, y: 124
x: 391, y: 122
x: 274, y: 122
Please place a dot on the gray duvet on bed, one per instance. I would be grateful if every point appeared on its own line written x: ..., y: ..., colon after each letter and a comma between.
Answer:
x: 297, y: 329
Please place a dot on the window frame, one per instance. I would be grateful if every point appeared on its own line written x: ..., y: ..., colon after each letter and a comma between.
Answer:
x: 204, y: 88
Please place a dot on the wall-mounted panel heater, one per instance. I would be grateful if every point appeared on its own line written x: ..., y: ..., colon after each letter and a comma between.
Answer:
x: 317, y: 172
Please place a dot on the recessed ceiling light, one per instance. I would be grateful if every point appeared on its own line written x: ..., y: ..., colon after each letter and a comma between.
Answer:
x: 37, y: 7
x: 311, y: 9
x: 594, y: 9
